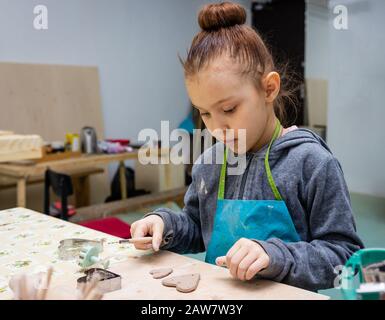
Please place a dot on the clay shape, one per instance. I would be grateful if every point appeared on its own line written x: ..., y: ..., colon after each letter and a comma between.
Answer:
x: 160, y: 273
x: 185, y: 283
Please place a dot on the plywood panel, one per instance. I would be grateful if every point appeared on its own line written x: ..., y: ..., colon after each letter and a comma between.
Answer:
x: 50, y: 100
x: 317, y: 97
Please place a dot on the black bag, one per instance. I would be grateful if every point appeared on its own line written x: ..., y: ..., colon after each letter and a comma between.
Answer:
x: 116, y: 193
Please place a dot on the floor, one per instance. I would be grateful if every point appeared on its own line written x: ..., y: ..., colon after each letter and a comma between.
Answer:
x: 369, y: 214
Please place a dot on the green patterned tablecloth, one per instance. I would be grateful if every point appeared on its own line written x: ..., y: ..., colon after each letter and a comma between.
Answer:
x: 29, y: 243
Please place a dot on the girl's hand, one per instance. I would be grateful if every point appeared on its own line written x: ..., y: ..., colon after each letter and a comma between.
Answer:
x: 152, y: 225
x: 245, y: 259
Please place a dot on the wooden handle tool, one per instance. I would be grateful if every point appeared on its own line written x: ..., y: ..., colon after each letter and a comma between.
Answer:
x: 137, y: 240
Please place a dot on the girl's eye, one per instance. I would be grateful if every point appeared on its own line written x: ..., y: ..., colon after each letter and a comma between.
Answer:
x: 230, y: 110
x: 205, y: 114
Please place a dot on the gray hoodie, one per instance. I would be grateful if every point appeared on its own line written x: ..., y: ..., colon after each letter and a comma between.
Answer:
x: 311, y: 182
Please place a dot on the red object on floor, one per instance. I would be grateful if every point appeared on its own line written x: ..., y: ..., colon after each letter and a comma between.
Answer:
x: 70, y: 208
x: 110, y: 225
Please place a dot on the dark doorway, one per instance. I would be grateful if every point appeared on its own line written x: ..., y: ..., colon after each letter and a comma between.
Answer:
x: 281, y: 24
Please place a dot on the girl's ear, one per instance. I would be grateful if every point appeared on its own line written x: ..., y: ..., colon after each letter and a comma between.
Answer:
x: 272, y: 85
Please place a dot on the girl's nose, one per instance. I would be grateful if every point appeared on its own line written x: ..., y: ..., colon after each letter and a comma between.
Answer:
x: 223, y: 126
x: 222, y: 132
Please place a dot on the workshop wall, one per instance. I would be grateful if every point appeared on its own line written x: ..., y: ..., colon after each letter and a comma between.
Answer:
x: 134, y: 44
x: 355, y: 103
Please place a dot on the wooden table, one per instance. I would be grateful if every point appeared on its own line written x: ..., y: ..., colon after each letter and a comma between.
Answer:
x: 30, y: 239
x: 21, y: 172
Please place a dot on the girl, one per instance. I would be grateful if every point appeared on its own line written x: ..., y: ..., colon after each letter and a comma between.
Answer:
x: 288, y: 217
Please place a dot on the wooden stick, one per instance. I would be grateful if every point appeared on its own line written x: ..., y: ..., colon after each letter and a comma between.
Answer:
x: 22, y: 288
x: 48, y: 282
x: 86, y: 289
x: 90, y: 286
x: 137, y: 240
x: 94, y: 295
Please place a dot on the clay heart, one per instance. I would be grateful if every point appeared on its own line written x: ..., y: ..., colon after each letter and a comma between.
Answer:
x: 160, y: 273
x: 185, y: 283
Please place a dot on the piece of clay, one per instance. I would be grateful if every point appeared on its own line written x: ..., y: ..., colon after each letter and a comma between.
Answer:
x: 160, y: 273
x: 185, y: 283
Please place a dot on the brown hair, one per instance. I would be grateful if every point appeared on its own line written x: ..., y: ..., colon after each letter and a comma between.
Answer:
x: 224, y: 32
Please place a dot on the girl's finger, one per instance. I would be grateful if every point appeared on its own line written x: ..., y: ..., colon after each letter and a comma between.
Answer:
x: 221, y: 261
x: 141, y: 230
x: 256, y: 266
x: 133, y: 227
x: 231, y: 252
x: 141, y: 243
x: 157, y: 235
x: 245, y: 264
x: 143, y: 246
x: 235, y: 260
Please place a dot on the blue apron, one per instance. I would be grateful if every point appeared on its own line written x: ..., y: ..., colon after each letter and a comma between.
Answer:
x: 252, y: 219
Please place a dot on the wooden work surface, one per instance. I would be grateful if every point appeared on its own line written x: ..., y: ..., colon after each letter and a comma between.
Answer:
x: 30, y: 242
x: 216, y: 283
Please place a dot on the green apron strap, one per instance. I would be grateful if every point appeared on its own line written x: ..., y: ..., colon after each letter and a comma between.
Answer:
x: 222, y: 179
x: 270, y: 179
x: 221, y: 191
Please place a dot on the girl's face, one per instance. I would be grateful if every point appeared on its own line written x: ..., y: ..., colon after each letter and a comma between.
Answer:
x: 229, y: 102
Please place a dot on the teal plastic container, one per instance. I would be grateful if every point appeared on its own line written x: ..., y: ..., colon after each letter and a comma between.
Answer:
x: 353, y: 269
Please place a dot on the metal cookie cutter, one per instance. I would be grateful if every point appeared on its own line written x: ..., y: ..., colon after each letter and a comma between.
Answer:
x: 375, y: 272
x: 70, y: 248
x: 107, y: 280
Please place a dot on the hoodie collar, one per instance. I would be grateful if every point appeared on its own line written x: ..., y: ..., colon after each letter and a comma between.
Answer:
x: 290, y: 140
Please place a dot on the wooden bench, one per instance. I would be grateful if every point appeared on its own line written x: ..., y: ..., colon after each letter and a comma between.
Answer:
x: 112, y: 208
x: 80, y: 180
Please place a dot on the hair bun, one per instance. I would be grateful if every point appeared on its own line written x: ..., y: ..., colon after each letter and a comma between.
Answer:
x: 221, y: 15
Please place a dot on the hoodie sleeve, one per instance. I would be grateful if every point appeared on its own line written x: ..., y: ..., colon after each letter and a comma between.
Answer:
x: 311, y: 265
x: 182, y: 230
